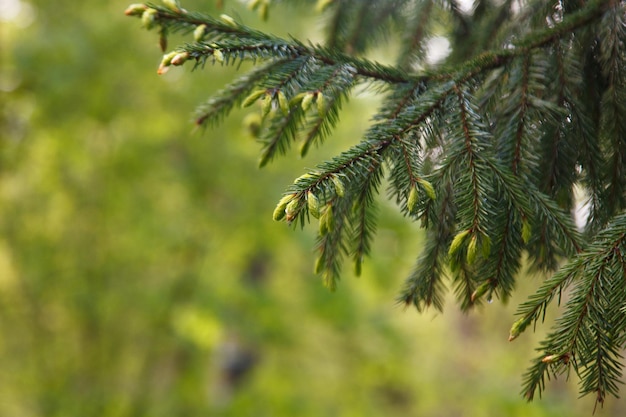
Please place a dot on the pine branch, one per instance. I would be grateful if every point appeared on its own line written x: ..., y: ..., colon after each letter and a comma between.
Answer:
x: 592, y: 328
x: 363, y: 221
x: 338, y: 194
x: 425, y: 287
x: 485, y: 150
x: 235, y: 41
x: 222, y: 102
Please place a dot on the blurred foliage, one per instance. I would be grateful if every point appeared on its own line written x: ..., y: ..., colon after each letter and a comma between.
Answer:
x: 141, y: 273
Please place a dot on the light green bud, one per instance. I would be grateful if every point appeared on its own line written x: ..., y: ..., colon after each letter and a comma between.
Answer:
x: 428, y: 188
x: 283, y: 103
x: 518, y: 327
x: 481, y: 290
x: 167, y: 58
x: 411, y: 201
x: 292, y: 209
x: 303, y: 177
x: 551, y: 358
x: 180, y: 58
x: 306, y: 101
x: 339, y: 187
x: 248, y: 101
x: 457, y: 242
x: 228, y: 20
x: 321, y: 109
x: 313, y: 204
x: 471, y: 250
x: 166, y: 62
x: 279, y: 211
x: 148, y: 18
x: 135, y: 9
x: 297, y: 99
x: 199, y: 32
x: 218, y: 55
x: 266, y: 105
x: 173, y: 5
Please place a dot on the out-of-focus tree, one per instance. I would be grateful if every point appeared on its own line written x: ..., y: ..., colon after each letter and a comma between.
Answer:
x: 491, y: 148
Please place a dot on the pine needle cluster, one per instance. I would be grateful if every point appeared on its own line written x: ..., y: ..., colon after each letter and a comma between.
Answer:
x: 491, y: 150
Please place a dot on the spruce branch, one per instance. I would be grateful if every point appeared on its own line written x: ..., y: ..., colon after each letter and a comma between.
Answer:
x: 592, y: 328
x: 222, y: 102
x: 486, y: 150
x: 249, y: 43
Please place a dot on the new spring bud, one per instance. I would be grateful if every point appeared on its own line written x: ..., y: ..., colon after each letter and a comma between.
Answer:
x: 551, y: 358
x: 428, y: 188
x: 248, y: 101
x: 266, y: 105
x: 313, y: 204
x: 457, y: 242
x: 180, y: 58
x: 167, y: 58
x: 481, y: 290
x: 166, y: 62
x: 411, y: 201
x: 173, y: 5
x: 199, y: 32
x: 283, y: 103
x: 297, y: 99
x: 148, y: 18
x: 339, y: 187
x: 292, y: 209
x: 471, y: 249
x: 517, y: 328
x: 306, y: 101
x: 279, y: 211
x: 321, y: 108
x: 303, y: 177
x: 218, y: 55
x: 228, y: 20
x: 135, y: 9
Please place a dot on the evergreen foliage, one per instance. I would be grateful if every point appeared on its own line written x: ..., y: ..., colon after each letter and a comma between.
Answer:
x: 492, y: 150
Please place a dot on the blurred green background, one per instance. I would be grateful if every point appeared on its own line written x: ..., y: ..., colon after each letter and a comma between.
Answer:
x: 141, y: 273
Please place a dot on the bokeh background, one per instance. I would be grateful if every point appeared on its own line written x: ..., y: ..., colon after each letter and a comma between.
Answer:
x: 141, y: 273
